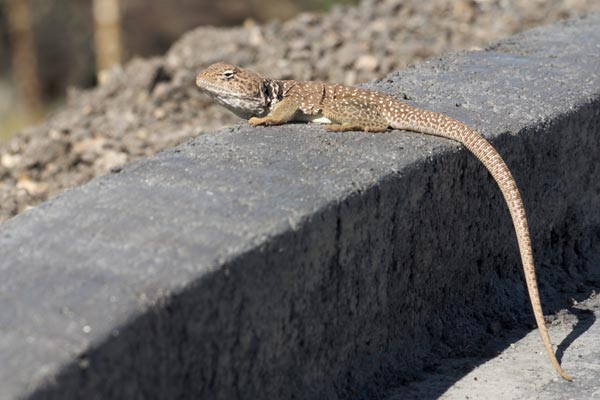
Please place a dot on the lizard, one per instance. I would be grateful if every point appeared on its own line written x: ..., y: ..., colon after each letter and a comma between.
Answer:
x: 264, y: 101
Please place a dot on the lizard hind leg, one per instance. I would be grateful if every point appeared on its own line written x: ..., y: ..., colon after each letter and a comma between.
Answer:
x: 354, y: 115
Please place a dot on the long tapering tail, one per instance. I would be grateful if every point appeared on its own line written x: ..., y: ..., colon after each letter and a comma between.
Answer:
x: 428, y: 122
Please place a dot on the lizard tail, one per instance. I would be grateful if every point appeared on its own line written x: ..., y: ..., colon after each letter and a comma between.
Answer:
x: 428, y: 122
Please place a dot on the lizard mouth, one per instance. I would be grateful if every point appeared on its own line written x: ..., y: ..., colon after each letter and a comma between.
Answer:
x: 215, y: 90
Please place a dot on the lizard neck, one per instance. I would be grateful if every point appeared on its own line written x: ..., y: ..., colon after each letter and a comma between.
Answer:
x: 259, y: 104
x: 271, y: 93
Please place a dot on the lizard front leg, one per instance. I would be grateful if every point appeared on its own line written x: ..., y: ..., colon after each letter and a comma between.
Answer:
x: 283, y: 112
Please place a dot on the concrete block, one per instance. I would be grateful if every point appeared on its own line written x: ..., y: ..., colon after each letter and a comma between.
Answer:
x: 288, y: 262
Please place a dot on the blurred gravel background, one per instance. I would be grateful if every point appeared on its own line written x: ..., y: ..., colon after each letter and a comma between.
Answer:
x: 152, y: 104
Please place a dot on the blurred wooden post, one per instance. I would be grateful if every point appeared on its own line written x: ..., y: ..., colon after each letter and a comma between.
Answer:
x: 24, y: 59
x: 107, y: 34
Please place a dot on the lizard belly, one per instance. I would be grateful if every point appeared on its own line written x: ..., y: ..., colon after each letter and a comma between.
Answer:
x: 316, y: 118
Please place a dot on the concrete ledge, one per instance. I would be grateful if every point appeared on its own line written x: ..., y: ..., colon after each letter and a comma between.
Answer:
x: 292, y: 263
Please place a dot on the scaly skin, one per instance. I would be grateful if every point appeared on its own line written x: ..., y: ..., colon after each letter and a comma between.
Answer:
x: 266, y: 101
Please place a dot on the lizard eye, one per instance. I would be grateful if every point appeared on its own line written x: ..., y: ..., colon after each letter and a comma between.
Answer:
x: 228, y: 74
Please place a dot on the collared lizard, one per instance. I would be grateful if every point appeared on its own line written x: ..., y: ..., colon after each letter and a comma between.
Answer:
x: 266, y: 101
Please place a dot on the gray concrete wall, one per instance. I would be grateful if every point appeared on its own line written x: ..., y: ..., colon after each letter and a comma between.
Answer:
x: 287, y: 262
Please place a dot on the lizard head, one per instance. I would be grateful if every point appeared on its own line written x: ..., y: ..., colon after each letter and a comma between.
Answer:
x: 244, y: 92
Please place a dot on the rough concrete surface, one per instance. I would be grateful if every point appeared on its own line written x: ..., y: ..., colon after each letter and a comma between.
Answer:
x: 289, y: 262
x: 521, y: 371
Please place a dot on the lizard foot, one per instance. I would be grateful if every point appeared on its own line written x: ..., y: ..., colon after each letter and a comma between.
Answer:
x: 254, y: 121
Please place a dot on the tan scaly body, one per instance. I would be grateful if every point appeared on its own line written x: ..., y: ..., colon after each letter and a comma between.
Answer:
x: 266, y: 101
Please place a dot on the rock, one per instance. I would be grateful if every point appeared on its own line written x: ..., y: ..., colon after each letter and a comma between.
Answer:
x: 32, y: 187
x: 108, y: 160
